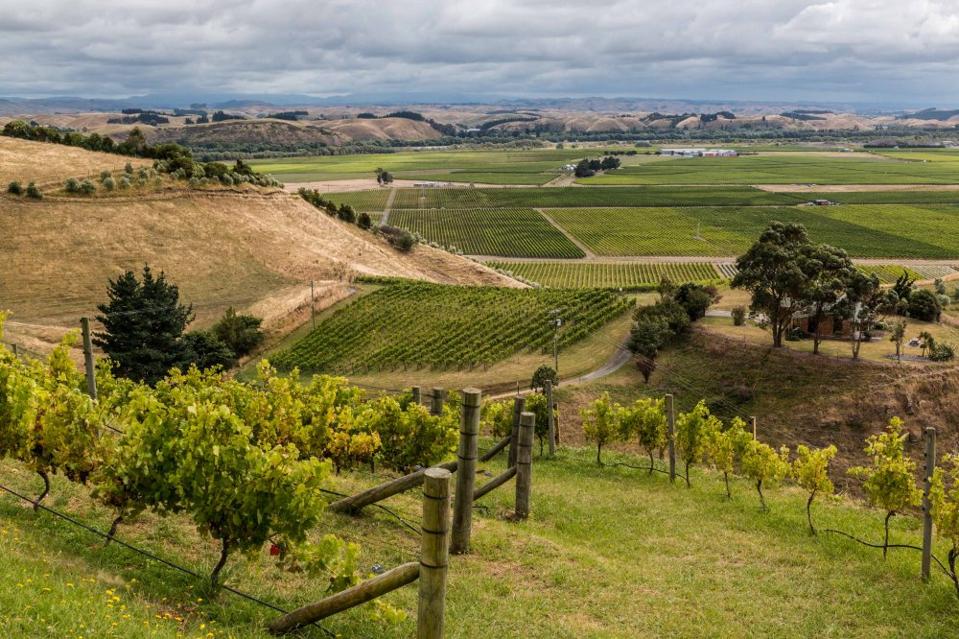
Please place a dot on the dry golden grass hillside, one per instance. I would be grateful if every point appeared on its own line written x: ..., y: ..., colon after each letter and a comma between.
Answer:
x: 256, y: 250
x: 48, y: 164
x: 222, y: 249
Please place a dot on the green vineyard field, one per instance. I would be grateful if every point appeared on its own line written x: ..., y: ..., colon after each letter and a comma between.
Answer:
x: 611, y: 275
x: 500, y: 232
x: 868, y: 230
x: 436, y: 198
x: 779, y: 169
x: 369, y: 201
x: 413, y: 324
x: 888, y: 273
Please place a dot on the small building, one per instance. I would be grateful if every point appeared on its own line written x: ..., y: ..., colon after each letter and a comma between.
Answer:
x: 823, y: 202
x: 683, y: 153
x: 699, y: 153
x: 719, y: 153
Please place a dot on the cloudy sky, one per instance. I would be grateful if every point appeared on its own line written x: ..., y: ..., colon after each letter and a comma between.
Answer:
x: 879, y: 51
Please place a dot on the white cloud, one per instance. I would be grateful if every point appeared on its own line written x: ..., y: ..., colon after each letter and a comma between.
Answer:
x: 842, y: 50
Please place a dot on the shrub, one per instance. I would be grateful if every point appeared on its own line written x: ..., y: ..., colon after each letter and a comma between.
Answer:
x: 536, y: 404
x: 695, y: 298
x: 924, y: 305
x: 15, y: 188
x: 346, y: 213
x: 124, y: 182
x: 400, y: 239
x: 739, y: 315
x: 541, y: 375
x: 87, y: 187
x: 240, y: 332
x: 941, y: 352
x: 364, y: 221
x: 72, y: 185
x: 109, y: 184
x: 104, y: 175
x: 128, y: 169
x: 34, y: 192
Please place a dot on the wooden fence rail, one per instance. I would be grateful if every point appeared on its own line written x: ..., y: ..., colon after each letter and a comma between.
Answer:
x: 355, y: 503
x: 431, y: 571
x: 496, y: 449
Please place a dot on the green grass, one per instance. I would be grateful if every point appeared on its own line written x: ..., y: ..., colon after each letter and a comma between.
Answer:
x: 623, y: 275
x: 862, y: 230
x: 607, y: 553
x: 498, y: 167
x: 412, y: 325
x: 502, y: 232
x: 778, y: 169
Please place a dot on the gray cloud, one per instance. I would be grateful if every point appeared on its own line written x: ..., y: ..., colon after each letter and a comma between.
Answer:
x: 868, y: 50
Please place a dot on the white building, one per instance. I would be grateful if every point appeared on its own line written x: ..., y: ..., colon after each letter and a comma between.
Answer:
x: 699, y: 153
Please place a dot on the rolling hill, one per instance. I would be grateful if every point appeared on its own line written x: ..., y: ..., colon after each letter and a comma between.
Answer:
x: 253, y: 250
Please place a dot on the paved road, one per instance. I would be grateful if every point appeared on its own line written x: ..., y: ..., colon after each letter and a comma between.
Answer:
x: 619, y: 359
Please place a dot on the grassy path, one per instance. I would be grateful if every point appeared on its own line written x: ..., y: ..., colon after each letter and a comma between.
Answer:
x: 385, y: 218
x: 585, y: 249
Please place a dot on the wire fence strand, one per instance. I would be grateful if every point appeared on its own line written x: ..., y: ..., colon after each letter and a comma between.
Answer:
x: 149, y: 555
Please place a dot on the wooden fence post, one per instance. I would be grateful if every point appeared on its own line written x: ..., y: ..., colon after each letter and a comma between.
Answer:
x: 466, y: 472
x: 437, y: 401
x: 519, y: 405
x: 550, y: 424
x: 671, y: 435
x: 930, y: 459
x: 434, y: 554
x: 417, y: 395
x: 755, y: 436
x: 524, y: 464
x: 88, y: 358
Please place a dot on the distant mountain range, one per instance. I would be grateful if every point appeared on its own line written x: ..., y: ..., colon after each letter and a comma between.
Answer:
x: 73, y: 104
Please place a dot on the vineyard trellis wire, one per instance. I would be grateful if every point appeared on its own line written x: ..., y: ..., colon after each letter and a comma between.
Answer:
x: 149, y: 555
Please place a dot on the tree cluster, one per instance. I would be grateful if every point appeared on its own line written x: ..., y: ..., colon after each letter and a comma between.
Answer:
x: 343, y: 212
x: 587, y: 167
x: 789, y: 277
x: 144, y: 330
x: 663, y: 323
